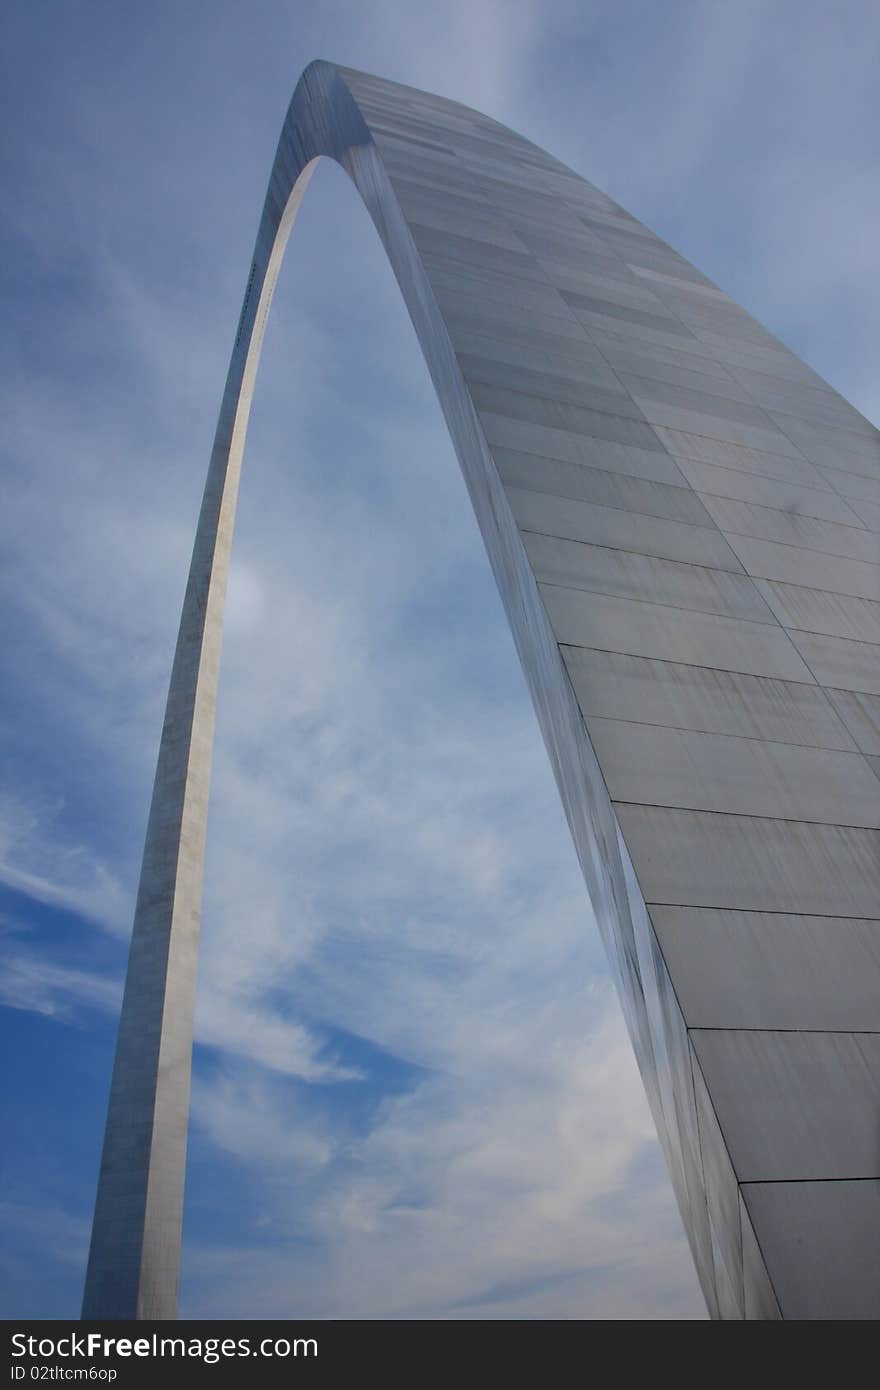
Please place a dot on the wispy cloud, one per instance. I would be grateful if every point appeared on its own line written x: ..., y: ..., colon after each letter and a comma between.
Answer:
x: 501, y: 1198
x: 35, y: 984
x: 40, y: 861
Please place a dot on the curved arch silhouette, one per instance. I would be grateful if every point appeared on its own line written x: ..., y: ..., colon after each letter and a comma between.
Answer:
x: 553, y: 324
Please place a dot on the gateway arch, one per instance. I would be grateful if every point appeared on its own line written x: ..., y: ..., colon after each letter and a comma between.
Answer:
x: 682, y: 520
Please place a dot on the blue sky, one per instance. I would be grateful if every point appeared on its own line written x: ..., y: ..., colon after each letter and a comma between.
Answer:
x: 413, y: 1093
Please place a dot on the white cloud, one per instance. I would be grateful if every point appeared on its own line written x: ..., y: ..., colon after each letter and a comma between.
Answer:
x: 37, y: 985
x: 43, y: 863
x: 470, y: 1197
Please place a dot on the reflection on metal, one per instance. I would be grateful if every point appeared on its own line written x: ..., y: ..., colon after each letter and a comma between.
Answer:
x: 678, y: 513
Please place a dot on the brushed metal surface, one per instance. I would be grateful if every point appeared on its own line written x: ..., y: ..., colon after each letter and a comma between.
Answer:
x: 644, y: 535
x: 861, y: 715
x: 772, y: 970
x: 821, y: 612
x: 657, y: 766
x: 841, y: 663
x: 673, y: 634
x: 707, y: 859
x: 849, y: 540
x: 834, y: 1225
x: 601, y: 486
x: 794, y: 498
x: 615, y: 685
x: 604, y: 569
x: 794, y: 1105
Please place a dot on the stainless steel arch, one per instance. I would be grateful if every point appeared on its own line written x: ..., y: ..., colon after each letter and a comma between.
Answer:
x: 673, y: 508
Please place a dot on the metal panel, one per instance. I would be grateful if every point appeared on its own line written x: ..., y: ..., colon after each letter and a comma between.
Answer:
x: 498, y: 363
x: 702, y: 859
x: 608, y: 397
x: 772, y: 970
x: 816, y: 610
x: 658, y: 766
x: 632, y: 575
x: 666, y: 364
x: 644, y: 535
x: 833, y: 1225
x: 613, y: 685
x: 776, y: 361
x: 713, y: 416
x: 793, y: 565
x: 611, y: 281
x: 606, y: 453
x: 650, y: 629
x: 509, y: 290
x: 793, y: 498
x: 472, y: 253
x: 834, y: 447
x: 856, y: 488
x: 709, y: 398
x: 866, y: 509
x: 500, y: 316
x: 795, y: 1105
x: 461, y: 217
x: 624, y: 422
x: 761, y: 1304
x: 590, y: 308
x: 723, y: 454
x: 764, y: 523
x: 575, y: 360
x: 838, y: 662
x: 598, y: 485
x: 861, y: 715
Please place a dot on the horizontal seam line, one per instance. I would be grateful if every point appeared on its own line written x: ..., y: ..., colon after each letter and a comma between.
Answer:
x: 794, y: 545
x: 580, y: 404
x: 745, y: 815
x: 774, y: 625
x: 783, y: 482
x: 835, y: 636
x: 527, y: 313
x: 687, y: 490
x: 751, y: 472
x: 695, y: 665
x: 771, y: 453
x: 813, y: 588
x: 820, y: 428
x: 673, y: 405
x: 781, y: 1182
x: 588, y: 501
x: 763, y: 911
x: 857, y: 641
x: 850, y: 472
x: 643, y: 555
x: 855, y: 751
x: 834, y: 1032
x: 858, y: 526
x: 649, y: 402
x: 660, y: 452
x: 639, y: 419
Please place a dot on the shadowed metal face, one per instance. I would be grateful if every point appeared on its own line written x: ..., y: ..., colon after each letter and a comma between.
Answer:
x: 676, y: 511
